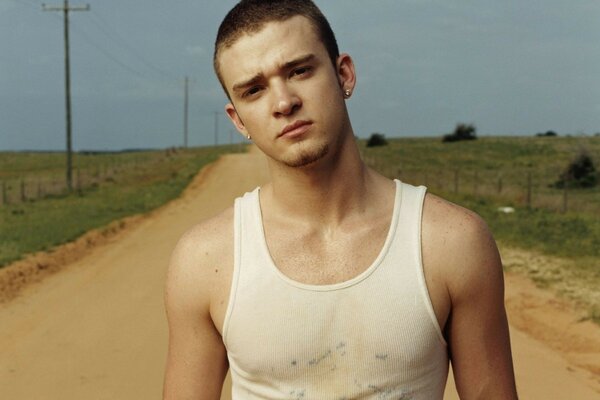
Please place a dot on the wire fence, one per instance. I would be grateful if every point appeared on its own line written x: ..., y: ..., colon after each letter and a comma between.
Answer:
x: 41, y: 187
x: 47, y: 184
x: 530, y: 188
x: 97, y: 170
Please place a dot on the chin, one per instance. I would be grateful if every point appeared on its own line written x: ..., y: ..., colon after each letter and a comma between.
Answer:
x: 307, y: 157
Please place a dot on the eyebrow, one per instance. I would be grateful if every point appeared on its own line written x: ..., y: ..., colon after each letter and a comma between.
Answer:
x: 288, y: 65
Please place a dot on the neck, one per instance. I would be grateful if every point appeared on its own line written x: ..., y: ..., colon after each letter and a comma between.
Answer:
x: 324, y: 193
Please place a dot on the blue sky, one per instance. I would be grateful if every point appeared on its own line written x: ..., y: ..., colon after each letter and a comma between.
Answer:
x: 511, y: 67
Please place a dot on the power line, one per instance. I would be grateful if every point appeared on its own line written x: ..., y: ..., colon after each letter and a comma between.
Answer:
x: 32, y: 3
x: 83, y: 35
x: 108, y: 55
x: 112, y: 33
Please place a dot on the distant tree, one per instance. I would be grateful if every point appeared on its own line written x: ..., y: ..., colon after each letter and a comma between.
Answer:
x: 461, y: 132
x: 581, y: 172
x: 377, y: 139
x: 548, y: 133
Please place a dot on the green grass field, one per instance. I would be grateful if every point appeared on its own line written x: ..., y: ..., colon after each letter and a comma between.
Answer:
x: 113, y: 186
x: 469, y: 174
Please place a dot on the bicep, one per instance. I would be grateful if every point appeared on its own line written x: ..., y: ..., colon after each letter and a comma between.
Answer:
x: 196, y: 361
x: 477, y: 329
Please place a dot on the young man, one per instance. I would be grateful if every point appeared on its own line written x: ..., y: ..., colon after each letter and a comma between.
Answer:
x: 333, y: 281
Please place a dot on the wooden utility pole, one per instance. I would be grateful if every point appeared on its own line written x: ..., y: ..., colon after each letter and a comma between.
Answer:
x: 66, y: 9
x: 185, y: 112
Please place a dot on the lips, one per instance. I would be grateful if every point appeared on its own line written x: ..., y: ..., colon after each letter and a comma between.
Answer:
x: 294, y: 129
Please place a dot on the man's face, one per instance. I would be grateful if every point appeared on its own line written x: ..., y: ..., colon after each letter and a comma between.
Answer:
x: 286, y: 93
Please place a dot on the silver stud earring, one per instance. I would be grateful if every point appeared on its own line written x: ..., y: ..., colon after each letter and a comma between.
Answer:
x: 249, y: 137
x: 347, y: 93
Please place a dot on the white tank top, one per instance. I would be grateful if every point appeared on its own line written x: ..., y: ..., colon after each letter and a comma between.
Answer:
x: 374, y: 336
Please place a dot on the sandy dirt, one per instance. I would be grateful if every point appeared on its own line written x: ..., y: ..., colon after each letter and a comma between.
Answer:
x: 94, y: 326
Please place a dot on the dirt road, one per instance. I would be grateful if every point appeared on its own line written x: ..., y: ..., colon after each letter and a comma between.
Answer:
x: 96, y: 329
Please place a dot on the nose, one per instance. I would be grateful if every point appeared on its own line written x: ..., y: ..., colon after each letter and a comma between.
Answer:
x: 286, y: 101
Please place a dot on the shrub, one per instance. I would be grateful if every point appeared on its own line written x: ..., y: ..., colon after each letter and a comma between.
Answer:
x: 548, y: 133
x: 377, y: 139
x: 461, y: 132
x: 581, y: 172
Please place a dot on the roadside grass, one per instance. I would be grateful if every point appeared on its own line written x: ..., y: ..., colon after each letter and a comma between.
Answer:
x: 142, y: 181
x: 572, y: 237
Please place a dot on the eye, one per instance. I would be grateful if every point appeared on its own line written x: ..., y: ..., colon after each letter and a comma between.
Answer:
x: 252, y: 91
x: 301, y: 71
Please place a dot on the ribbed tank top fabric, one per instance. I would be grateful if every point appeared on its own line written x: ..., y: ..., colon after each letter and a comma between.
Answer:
x: 374, y: 336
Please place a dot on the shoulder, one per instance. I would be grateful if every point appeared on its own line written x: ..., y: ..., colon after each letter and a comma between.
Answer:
x: 452, y: 223
x: 202, y: 257
x: 458, y: 247
x: 205, y: 242
x: 207, y: 236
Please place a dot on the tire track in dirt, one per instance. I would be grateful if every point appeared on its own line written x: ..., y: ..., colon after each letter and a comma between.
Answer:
x: 95, y: 329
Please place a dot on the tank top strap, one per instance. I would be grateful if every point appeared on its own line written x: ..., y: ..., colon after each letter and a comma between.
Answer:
x: 411, y: 212
x: 409, y: 240
x: 246, y: 232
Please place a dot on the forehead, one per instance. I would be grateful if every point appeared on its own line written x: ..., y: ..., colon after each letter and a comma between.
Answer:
x: 275, y: 44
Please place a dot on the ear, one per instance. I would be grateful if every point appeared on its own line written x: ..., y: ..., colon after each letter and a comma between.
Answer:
x: 235, y: 119
x: 345, y: 71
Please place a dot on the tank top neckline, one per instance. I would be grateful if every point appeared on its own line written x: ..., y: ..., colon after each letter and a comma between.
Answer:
x: 338, y: 285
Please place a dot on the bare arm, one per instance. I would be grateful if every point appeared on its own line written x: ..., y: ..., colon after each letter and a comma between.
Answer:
x: 196, y: 361
x: 465, y: 275
x: 477, y: 328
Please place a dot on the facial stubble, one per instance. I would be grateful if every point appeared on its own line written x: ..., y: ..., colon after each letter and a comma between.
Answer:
x: 307, y: 157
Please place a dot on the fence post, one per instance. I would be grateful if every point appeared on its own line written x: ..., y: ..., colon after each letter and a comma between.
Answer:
x: 23, y: 196
x: 529, y: 190
x: 455, y: 181
x: 499, y: 184
x: 565, y: 194
x: 78, y: 180
x: 4, y: 194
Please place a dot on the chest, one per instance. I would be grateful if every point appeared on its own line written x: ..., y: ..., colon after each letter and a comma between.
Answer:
x: 354, y: 342
x: 322, y: 257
